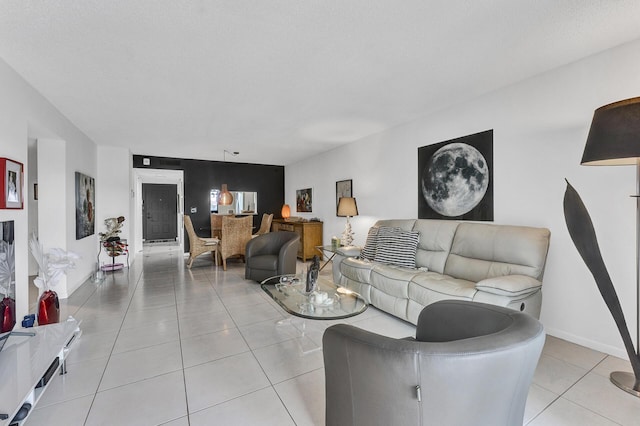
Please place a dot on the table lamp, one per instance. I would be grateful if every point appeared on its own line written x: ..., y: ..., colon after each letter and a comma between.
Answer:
x: 347, y: 207
x: 286, y: 212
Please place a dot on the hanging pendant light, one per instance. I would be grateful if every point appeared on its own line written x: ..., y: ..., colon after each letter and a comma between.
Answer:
x: 226, y: 198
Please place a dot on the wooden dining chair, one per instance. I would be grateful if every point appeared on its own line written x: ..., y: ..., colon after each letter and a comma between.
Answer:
x: 265, y: 225
x: 236, y: 233
x: 199, y: 245
x: 216, y: 225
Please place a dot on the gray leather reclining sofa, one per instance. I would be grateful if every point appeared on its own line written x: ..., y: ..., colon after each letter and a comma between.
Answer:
x: 497, y: 264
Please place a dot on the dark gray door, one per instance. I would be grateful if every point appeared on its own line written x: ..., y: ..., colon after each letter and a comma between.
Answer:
x: 160, y: 211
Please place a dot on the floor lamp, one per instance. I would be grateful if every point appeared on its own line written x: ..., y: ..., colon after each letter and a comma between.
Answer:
x: 614, y: 139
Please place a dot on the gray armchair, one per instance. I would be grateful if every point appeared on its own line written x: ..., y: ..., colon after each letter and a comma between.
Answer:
x: 271, y: 254
x: 470, y: 364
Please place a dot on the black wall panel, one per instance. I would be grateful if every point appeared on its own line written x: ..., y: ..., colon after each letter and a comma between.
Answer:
x: 201, y: 176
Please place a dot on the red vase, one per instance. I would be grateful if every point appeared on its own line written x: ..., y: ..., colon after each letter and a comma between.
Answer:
x: 8, y: 318
x: 48, y: 308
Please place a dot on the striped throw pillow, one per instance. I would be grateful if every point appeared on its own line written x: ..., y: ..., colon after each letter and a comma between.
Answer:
x: 369, y: 250
x: 397, y: 247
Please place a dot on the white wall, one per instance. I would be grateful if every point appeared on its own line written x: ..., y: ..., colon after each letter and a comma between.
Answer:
x: 540, y: 128
x: 53, y: 200
x: 25, y: 114
x: 113, y: 194
x: 30, y: 180
x: 80, y: 157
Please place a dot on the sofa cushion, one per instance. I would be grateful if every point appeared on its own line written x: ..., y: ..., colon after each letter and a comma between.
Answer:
x: 436, y: 238
x: 482, y: 251
x: 428, y: 287
x: 391, y: 279
x: 510, y: 285
x: 397, y: 247
x: 396, y: 306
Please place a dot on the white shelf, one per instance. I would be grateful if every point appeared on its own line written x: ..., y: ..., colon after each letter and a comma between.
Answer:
x: 24, y: 360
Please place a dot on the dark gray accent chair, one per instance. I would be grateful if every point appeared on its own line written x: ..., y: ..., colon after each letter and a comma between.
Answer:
x: 271, y: 254
x: 470, y: 364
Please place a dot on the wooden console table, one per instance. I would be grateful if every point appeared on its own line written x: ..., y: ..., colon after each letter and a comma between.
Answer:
x: 310, y: 235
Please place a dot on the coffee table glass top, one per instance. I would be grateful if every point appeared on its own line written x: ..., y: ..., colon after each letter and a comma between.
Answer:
x: 327, y: 303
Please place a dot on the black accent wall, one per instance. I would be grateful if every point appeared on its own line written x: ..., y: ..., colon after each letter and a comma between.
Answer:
x: 201, y: 176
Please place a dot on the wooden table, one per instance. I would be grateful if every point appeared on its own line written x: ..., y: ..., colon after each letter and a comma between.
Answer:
x: 310, y: 235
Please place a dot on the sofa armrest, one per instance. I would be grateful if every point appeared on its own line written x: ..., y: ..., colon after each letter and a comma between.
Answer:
x: 349, y: 251
x: 341, y: 254
x: 335, y: 267
x: 287, y: 257
x: 509, y: 285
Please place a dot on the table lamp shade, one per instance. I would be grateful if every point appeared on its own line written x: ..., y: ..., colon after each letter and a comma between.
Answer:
x: 347, y: 206
x: 286, y: 211
x: 614, y: 136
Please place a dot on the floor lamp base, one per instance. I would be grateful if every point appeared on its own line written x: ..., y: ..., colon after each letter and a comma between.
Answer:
x: 626, y: 381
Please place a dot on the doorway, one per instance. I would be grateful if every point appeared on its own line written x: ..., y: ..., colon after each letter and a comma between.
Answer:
x: 159, y: 212
x: 174, y: 178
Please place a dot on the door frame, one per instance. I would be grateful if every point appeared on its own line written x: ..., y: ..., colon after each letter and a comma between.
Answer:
x: 175, y: 177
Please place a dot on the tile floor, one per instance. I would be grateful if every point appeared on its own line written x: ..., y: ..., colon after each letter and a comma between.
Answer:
x: 164, y: 345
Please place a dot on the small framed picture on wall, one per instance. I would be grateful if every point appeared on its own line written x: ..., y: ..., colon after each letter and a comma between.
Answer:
x: 344, y: 188
x: 11, y: 175
x: 304, y: 200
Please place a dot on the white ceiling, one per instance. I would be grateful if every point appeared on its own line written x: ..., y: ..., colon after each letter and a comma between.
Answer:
x: 280, y: 80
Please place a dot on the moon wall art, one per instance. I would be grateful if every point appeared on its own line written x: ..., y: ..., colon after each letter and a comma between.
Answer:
x: 455, y: 178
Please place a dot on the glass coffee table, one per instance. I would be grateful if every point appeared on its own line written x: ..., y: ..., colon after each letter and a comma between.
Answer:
x: 329, y: 302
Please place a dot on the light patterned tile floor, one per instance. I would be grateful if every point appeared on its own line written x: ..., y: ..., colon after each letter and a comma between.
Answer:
x: 163, y: 344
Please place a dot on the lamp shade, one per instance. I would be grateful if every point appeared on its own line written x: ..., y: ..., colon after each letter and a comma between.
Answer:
x: 347, y: 206
x: 614, y: 136
x: 226, y: 198
x: 286, y: 211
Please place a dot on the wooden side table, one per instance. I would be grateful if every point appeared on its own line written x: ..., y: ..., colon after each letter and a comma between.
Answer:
x: 310, y: 235
x: 330, y: 252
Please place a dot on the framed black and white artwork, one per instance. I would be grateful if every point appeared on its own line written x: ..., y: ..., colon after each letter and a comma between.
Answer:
x: 344, y: 188
x: 455, y: 178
